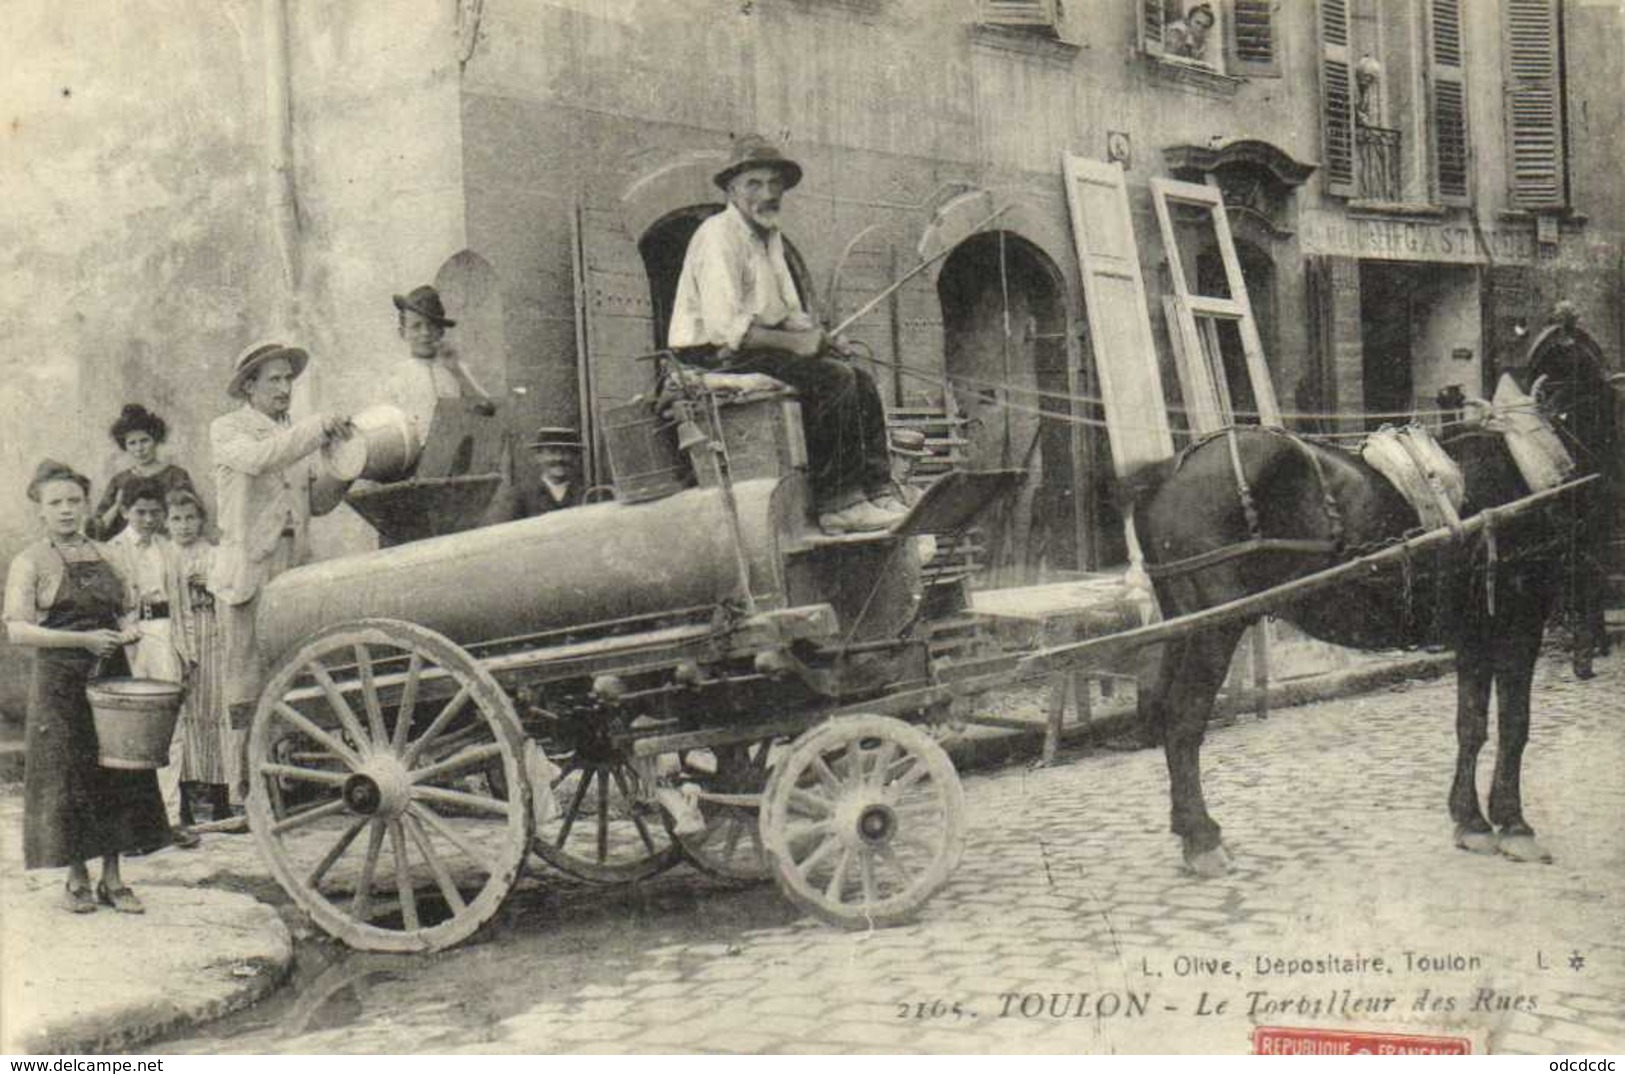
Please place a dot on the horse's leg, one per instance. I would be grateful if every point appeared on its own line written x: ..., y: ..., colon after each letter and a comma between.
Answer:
x: 1516, y: 652
x: 1474, y: 677
x: 1192, y: 672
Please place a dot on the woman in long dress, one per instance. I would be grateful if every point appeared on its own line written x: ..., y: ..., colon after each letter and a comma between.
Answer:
x: 64, y: 599
x: 138, y: 432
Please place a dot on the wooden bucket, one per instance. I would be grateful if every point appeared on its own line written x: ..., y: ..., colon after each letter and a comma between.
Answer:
x: 383, y: 447
x: 135, y: 720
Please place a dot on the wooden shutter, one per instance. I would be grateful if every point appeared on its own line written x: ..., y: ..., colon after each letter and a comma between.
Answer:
x: 1119, y: 322
x: 1253, y: 45
x: 1534, y: 103
x: 1151, y: 26
x: 1336, y: 99
x: 1447, y: 98
x: 1018, y: 12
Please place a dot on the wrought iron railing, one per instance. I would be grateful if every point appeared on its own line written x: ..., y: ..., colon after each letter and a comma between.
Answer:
x: 1380, y: 176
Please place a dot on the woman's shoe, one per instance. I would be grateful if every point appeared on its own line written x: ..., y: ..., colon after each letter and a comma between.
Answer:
x: 121, y: 899
x: 78, y: 900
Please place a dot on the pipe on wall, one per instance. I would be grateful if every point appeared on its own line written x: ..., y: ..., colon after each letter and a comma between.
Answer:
x: 281, y: 193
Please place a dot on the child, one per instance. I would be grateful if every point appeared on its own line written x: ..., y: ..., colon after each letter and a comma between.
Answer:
x: 140, y: 555
x: 204, y: 729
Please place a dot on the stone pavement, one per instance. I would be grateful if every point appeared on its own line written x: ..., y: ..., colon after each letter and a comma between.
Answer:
x: 106, y: 981
x: 1071, y: 926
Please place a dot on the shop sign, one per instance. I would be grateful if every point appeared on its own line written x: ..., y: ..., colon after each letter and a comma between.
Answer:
x: 1413, y: 240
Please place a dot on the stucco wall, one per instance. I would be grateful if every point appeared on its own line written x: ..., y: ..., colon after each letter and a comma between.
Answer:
x: 135, y: 237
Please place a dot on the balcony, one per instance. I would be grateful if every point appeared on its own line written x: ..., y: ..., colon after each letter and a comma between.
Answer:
x: 1380, y: 175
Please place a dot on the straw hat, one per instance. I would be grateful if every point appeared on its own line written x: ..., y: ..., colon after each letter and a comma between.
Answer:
x: 256, y: 355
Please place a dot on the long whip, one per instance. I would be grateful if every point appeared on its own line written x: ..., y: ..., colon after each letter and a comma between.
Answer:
x: 925, y: 263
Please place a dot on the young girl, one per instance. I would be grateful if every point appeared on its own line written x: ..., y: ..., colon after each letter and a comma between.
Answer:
x: 204, y: 728
x: 138, y: 432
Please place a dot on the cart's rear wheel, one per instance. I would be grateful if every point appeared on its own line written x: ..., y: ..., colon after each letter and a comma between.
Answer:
x: 731, y: 779
x: 864, y: 820
x: 396, y: 729
x: 606, y: 829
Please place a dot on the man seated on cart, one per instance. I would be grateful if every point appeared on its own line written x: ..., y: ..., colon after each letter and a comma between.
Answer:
x: 737, y: 312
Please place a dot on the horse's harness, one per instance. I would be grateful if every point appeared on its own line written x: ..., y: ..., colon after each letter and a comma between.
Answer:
x: 1332, y: 545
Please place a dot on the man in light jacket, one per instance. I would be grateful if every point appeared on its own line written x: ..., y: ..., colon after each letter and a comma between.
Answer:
x: 262, y: 472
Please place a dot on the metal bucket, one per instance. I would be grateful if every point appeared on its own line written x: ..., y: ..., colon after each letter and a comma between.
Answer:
x: 135, y: 720
x: 383, y: 447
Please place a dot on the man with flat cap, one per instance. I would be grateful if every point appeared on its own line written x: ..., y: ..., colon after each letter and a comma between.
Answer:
x: 558, y: 453
x: 737, y: 311
x: 262, y: 473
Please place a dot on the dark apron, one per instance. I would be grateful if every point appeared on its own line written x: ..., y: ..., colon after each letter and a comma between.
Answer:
x: 73, y: 808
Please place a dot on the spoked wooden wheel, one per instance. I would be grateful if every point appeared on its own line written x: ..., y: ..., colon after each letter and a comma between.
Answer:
x: 864, y: 820
x: 607, y: 829
x: 731, y: 780
x: 398, y: 732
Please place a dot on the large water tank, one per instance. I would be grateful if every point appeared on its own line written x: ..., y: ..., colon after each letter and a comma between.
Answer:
x: 575, y: 568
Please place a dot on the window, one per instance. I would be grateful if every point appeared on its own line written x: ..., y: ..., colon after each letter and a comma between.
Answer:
x: 1217, y: 350
x: 1043, y: 15
x: 1534, y: 103
x: 1235, y: 37
x: 1393, y: 92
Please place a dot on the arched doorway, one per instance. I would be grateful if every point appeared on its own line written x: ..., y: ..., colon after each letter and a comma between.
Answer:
x: 665, y: 244
x: 1004, y: 330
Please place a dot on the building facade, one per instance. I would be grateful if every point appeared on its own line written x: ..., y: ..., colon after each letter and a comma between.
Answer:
x: 1409, y: 183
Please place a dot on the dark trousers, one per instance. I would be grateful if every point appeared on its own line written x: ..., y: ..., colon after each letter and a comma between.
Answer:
x: 845, y: 422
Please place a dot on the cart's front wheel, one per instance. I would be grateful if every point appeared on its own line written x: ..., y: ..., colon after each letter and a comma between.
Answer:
x: 399, y: 732
x: 863, y: 820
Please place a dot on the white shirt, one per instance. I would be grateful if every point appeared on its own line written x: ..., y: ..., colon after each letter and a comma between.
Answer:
x: 141, y: 561
x: 417, y: 386
x: 731, y: 277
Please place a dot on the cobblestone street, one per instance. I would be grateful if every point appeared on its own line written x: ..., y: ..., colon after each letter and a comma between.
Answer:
x: 1071, y: 926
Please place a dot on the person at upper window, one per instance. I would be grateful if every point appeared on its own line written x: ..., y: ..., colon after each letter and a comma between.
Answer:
x: 1188, y: 37
x: 737, y: 311
x: 434, y: 369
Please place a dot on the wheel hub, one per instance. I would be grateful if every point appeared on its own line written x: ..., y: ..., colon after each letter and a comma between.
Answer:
x: 865, y: 822
x: 380, y: 788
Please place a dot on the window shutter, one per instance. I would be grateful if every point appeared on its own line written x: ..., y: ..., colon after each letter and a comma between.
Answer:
x: 1252, y: 39
x: 1534, y: 104
x: 1151, y: 26
x: 1125, y: 355
x: 1019, y: 12
x: 1336, y: 99
x: 1447, y: 83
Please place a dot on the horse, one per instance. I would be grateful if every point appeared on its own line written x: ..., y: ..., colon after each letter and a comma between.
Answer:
x: 1251, y: 508
x: 1566, y: 371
